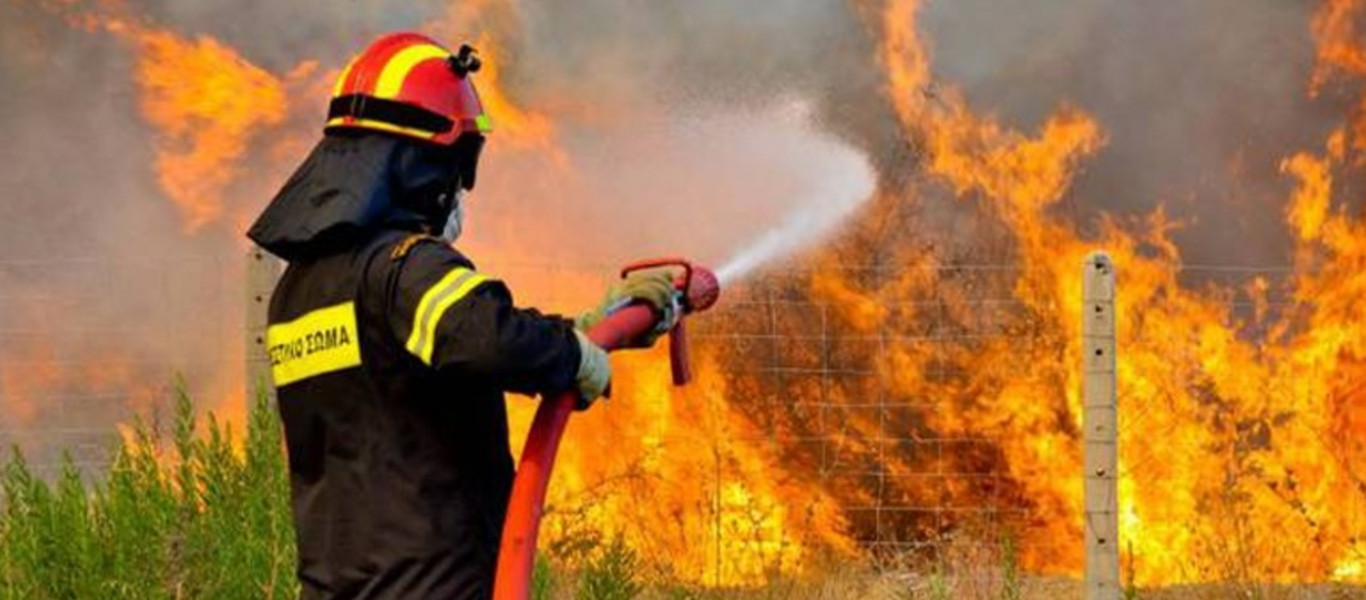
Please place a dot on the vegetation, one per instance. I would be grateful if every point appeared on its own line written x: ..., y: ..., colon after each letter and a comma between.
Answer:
x: 199, y: 517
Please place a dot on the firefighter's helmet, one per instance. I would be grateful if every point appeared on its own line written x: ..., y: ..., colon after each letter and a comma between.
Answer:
x: 409, y: 85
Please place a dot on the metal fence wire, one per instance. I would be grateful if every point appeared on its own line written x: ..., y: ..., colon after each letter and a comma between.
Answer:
x: 866, y: 378
x: 86, y: 344
x: 939, y: 413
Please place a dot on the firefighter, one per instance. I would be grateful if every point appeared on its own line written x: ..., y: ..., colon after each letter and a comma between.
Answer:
x: 391, y: 352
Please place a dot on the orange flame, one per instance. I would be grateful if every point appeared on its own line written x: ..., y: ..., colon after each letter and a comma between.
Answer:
x: 24, y: 379
x: 1242, y: 436
x: 514, y: 125
x: 678, y: 477
x: 1231, y: 459
x: 672, y: 472
x: 207, y: 102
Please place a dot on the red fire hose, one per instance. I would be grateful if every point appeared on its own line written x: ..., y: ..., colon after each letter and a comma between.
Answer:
x: 698, y: 291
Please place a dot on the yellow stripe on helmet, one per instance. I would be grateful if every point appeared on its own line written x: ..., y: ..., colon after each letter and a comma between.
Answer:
x: 397, y: 69
x: 340, y: 87
x: 382, y: 126
x: 435, y: 302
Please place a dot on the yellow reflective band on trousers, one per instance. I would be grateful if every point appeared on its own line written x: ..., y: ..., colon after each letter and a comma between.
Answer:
x: 440, y: 297
x: 322, y: 341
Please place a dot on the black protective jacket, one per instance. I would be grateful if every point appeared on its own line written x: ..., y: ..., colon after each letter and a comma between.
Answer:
x: 390, y: 355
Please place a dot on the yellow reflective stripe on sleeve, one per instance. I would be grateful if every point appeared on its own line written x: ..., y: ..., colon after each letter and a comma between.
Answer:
x: 319, y: 342
x: 396, y: 70
x: 440, y: 297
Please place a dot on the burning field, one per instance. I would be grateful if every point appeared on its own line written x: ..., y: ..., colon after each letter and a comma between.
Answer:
x: 900, y: 195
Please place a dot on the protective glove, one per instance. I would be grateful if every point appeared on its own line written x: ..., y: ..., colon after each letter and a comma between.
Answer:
x: 595, y: 372
x: 655, y: 286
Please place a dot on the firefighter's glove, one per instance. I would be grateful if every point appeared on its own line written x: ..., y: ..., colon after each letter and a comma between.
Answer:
x: 654, y: 286
x: 595, y: 372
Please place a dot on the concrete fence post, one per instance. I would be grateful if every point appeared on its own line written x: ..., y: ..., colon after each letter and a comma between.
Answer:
x: 1099, y: 423
x: 262, y: 272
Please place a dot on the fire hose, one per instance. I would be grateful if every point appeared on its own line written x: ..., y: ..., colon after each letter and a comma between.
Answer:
x: 697, y: 290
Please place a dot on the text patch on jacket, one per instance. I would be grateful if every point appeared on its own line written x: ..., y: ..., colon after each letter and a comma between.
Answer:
x: 322, y: 341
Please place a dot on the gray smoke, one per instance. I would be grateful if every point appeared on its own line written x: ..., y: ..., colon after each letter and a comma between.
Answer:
x: 718, y: 119
x: 677, y: 120
x: 277, y: 35
x: 1200, y: 100
x: 712, y: 55
x: 102, y: 298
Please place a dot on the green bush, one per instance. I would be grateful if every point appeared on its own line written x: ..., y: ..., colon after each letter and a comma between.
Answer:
x: 611, y: 574
x: 196, y: 520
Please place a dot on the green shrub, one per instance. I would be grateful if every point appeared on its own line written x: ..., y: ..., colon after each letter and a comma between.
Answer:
x: 197, y: 520
x: 542, y: 580
x: 610, y: 574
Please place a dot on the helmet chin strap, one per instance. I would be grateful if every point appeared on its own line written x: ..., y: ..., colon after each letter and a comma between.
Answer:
x: 455, y: 220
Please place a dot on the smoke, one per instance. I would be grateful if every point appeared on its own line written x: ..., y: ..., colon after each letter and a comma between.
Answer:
x: 103, y: 297
x: 72, y: 160
x: 681, y: 122
x: 1197, y: 116
x: 1200, y: 102
x: 837, y: 186
x: 278, y: 35
x: 715, y: 129
x: 664, y: 85
x: 675, y: 132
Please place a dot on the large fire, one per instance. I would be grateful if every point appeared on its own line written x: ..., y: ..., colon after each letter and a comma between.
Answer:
x: 1238, y: 450
x: 205, y: 127
x: 1242, y: 433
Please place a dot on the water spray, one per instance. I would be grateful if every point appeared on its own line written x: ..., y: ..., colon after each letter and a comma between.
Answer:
x: 840, y: 192
x: 697, y: 290
x: 799, y: 230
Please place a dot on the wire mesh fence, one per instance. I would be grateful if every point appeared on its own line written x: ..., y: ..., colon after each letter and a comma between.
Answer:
x: 86, y: 344
x: 86, y: 351
x: 927, y: 416
x: 866, y: 377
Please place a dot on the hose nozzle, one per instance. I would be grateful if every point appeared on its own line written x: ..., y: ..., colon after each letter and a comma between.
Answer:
x: 700, y: 289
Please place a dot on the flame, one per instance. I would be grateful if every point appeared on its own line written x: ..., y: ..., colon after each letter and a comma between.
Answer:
x: 672, y: 472
x: 1242, y: 434
x: 41, y: 383
x: 1350, y: 570
x: 515, y: 126
x: 212, y: 111
x: 675, y: 475
x: 24, y: 382
x: 1232, y: 455
x: 207, y: 102
x: 1335, y: 33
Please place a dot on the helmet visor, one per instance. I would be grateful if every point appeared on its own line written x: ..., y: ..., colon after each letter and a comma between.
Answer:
x: 466, y: 151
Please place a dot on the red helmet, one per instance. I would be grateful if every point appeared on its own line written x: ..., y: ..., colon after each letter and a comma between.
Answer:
x: 408, y: 84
